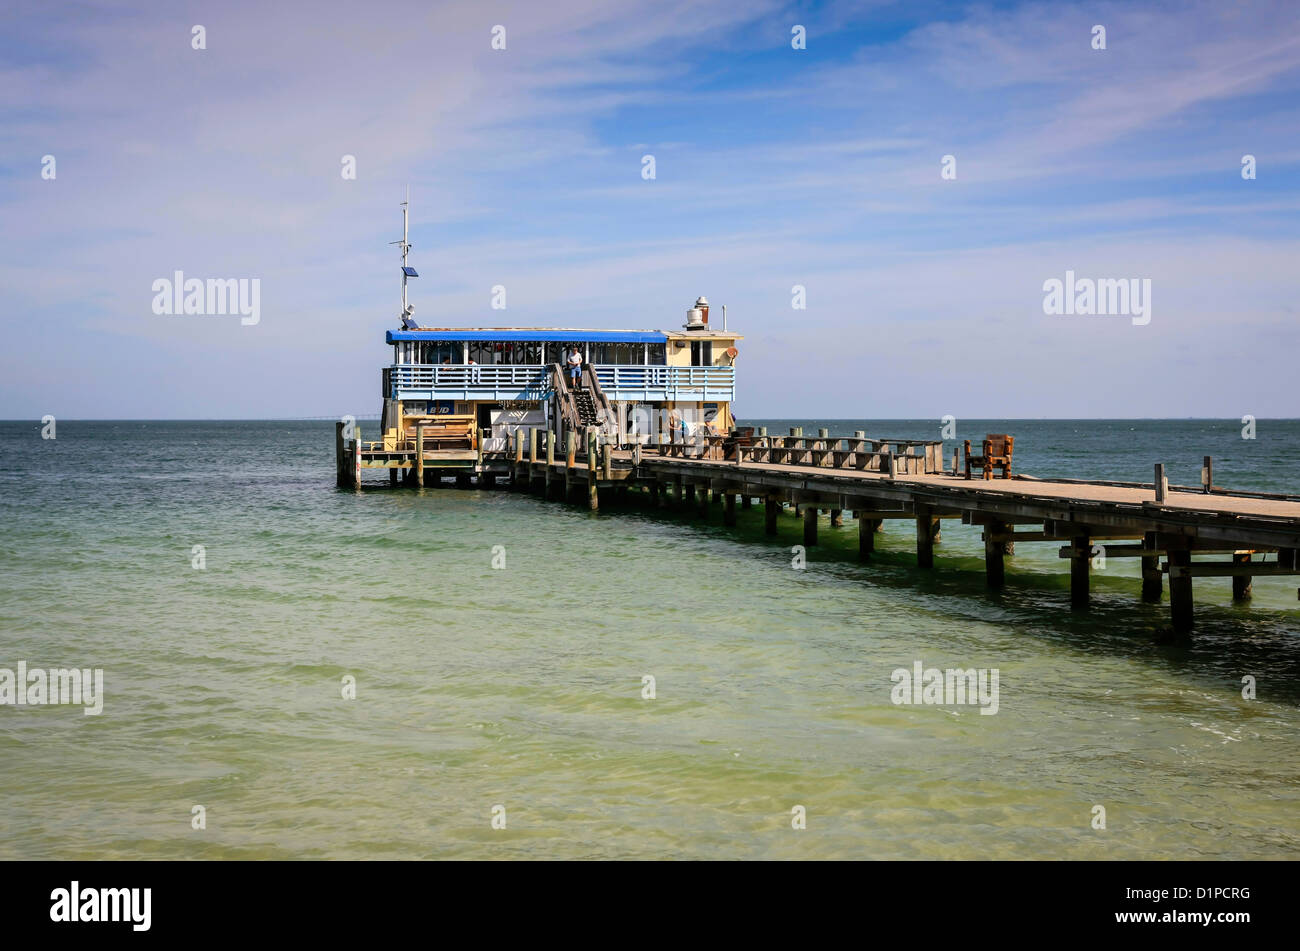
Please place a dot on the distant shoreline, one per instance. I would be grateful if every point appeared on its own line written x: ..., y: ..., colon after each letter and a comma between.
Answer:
x: 771, y: 419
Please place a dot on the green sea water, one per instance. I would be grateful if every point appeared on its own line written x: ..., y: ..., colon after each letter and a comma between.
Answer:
x: 521, y: 686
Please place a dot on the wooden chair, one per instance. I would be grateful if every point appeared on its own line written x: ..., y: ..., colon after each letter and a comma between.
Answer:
x: 996, y: 452
x: 739, y: 436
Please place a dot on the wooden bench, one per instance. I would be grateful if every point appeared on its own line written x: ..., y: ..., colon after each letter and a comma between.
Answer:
x: 996, y: 452
x: 442, y: 432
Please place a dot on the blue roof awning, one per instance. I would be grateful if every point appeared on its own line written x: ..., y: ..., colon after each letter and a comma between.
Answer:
x: 531, y: 336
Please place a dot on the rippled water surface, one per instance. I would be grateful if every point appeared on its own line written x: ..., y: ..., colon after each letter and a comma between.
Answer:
x: 522, y: 686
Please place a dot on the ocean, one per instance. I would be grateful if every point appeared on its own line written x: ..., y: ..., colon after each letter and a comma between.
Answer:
x: 515, y: 695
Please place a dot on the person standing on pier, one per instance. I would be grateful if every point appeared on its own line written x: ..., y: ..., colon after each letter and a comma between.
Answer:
x: 575, y: 368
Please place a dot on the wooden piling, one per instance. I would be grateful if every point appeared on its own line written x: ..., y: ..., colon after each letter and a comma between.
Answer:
x: 593, y: 493
x: 550, y: 464
x: 340, y: 456
x: 515, y: 473
x: 771, y: 508
x: 1180, y: 585
x: 927, y: 527
x: 1152, y: 579
x: 810, y: 525
x: 1080, y: 568
x: 356, y: 457
x: 419, y: 454
x: 994, y: 550
x: 533, y: 434
x: 729, y: 509
x: 867, y: 528
x: 1241, y: 584
x: 702, y: 500
x: 837, y: 518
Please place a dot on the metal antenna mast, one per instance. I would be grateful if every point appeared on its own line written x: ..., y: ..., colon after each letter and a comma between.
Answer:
x: 407, y: 270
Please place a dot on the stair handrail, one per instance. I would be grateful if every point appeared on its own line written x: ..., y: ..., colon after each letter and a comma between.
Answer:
x: 564, y: 397
x: 609, y: 422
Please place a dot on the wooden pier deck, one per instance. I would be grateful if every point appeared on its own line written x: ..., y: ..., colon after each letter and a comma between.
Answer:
x: 1249, y: 535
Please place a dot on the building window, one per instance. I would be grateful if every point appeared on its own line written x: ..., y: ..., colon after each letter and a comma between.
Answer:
x: 701, y: 353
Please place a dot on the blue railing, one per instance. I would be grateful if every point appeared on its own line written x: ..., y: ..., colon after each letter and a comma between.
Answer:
x: 643, y: 383
x: 466, y: 382
x: 526, y: 382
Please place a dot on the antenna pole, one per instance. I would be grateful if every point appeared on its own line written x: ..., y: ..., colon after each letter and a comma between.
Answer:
x: 406, y: 207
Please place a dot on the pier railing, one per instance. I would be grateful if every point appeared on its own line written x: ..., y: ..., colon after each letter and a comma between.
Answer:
x: 899, y: 456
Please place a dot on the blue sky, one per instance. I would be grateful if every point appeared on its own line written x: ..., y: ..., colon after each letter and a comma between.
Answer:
x: 774, y: 167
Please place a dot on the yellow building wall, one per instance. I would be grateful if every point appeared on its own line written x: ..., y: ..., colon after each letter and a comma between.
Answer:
x: 680, y: 356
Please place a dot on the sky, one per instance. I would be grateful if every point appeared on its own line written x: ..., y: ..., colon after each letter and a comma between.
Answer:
x: 775, y: 168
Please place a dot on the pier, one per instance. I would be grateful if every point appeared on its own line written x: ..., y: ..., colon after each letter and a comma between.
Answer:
x: 580, y: 415
x: 879, y: 481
